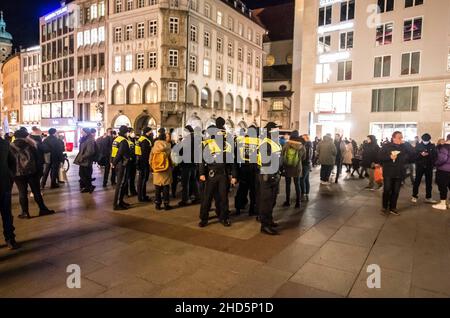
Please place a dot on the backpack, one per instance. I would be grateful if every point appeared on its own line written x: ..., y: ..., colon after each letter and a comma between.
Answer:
x: 291, y: 157
x: 159, y: 162
x: 25, y: 161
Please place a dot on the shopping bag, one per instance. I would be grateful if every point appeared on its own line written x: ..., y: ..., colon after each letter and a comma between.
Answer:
x: 378, y: 175
x: 62, y: 175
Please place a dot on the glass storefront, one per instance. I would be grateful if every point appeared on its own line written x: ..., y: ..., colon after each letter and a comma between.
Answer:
x: 385, y: 130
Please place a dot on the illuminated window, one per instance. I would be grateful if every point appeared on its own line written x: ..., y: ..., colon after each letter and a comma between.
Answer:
x: 219, y: 17
x: 129, y: 62
x: 277, y: 105
x: 412, y: 29
x: 173, y: 91
x: 384, y: 34
x: 323, y: 72
x: 206, y: 67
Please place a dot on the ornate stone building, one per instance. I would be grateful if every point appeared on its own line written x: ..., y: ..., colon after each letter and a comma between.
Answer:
x: 177, y: 62
x: 5, y: 40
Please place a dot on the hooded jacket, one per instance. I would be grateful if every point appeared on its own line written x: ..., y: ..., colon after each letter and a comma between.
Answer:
x: 425, y: 161
x: 290, y: 171
x: 326, y: 151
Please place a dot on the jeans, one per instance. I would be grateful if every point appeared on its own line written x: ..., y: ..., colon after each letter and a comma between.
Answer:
x: 22, y: 185
x: 288, y: 188
x: 304, y: 181
x: 420, y: 172
x: 391, y: 192
x: 325, y: 172
x: 371, y: 173
x: 7, y: 218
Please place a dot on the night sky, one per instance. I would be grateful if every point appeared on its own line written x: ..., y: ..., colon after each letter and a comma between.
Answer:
x: 22, y: 17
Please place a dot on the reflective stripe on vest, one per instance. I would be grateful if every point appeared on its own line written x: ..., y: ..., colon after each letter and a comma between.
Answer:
x: 275, y: 147
x: 138, y: 149
x: 247, y: 146
x: 115, y: 146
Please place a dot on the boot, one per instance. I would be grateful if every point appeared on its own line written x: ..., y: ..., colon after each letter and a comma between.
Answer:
x: 297, y: 204
x: 440, y: 206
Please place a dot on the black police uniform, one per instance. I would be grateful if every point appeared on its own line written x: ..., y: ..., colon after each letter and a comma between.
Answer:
x: 142, y: 151
x: 132, y: 168
x: 268, y: 184
x: 217, y: 180
x: 120, y: 158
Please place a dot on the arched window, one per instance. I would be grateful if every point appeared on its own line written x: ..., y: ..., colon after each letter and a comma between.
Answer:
x: 192, y: 95
x: 257, y: 108
x: 229, y: 102
x: 218, y: 100
x: 239, y: 104
x: 134, y: 93
x: 118, y: 94
x: 122, y: 120
x: 248, y: 106
x: 206, y: 98
x: 194, y: 121
x: 150, y: 93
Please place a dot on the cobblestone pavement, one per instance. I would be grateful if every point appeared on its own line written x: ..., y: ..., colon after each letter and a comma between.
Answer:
x: 324, y: 249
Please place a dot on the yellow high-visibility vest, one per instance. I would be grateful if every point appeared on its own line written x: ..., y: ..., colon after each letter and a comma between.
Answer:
x: 247, y: 146
x: 138, y: 149
x: 115, y: 146
x: 214, y: 147
x: 276, y: 147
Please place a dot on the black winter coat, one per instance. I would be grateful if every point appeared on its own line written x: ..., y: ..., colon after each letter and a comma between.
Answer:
x: 7, y: 167
x: 425, y: 161
x: 55, y: 147
x: 395, y: 169
x: 370, y: 155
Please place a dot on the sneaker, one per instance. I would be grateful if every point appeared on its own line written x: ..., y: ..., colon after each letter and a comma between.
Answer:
x: 24, y: 216
x: 384, y: 212
x: 414, y: 200
x: 394, y: 212
x: 369, y: 188
x: 440, y: 206
x: 431, y: 201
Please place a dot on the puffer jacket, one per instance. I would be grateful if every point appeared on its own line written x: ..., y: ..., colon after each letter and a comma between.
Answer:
x: 443, y: 157
x: 326, y: 151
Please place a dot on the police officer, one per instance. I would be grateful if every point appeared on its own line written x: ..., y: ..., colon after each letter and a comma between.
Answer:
x: 132, y: 165
x: 268, y: 179
x: 247, y: 169
x: 214, y: 173
x: 142, y: 151
x: 120, y: 157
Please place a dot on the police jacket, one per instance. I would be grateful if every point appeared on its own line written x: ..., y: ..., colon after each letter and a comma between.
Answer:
x: 215, y: 153
x: 142, y: 151
x: 269, y: 156
x: 121, y: 152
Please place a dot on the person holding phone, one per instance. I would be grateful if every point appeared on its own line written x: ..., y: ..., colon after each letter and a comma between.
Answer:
x: 425, y: 156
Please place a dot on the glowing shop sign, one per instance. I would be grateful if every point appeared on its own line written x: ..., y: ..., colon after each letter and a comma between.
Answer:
x: 333, y: 57
x: 55, y: 14
x: 336, y: 27
x: 329, y: 2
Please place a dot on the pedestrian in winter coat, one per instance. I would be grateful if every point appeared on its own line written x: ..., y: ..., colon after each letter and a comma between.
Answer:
x: 326, y: 153
x: 104, y: 146
x: 340, y: 152
x: 348, y: 156
x: 293, y: 154
x: 85, y: 159
x: 24, y: 151
x: 442, y: 165
x: 370, y: 159
x: 7, y: 169
x: 393, y: 157
x: 162, y: 179
x: 306, y: 165
x: 56, y: 150
x: 425, y: 156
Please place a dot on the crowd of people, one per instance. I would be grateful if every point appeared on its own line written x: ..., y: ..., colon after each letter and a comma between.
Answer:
x: 210, y: 163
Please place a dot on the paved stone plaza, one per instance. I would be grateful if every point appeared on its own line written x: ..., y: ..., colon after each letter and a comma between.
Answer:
x: 324, y: 249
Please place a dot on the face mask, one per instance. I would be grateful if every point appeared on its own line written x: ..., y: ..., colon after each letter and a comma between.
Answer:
x: 426, y: 142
